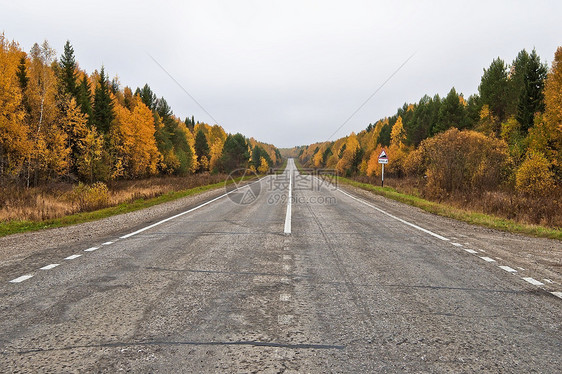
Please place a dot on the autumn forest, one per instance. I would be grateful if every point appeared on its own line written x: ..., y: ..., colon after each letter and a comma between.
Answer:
x: 498, y: 151
x: 61, y: 123
x: 66, y: 135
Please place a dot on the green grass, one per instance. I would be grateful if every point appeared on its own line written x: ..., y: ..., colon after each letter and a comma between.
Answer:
x: 14, y: 227
x: 459, y: 214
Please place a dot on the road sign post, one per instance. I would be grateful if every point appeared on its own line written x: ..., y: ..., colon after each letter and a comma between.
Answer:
x: 383, y: 159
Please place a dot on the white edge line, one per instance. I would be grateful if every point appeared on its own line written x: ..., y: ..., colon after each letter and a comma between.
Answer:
x: 396, y: 218
x: 49, y: 267
x: 470, y: 250
x: 21, y: 279
x: 488, y: 259
x: 72, y: 257
x: 187, y: 211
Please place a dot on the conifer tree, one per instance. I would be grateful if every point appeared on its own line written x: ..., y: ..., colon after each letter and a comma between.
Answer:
x: 67, y: 71
x: 103, y: 105
x: 532, y: 96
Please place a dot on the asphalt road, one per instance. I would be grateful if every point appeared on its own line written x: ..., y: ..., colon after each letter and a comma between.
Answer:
x: 234, y: 287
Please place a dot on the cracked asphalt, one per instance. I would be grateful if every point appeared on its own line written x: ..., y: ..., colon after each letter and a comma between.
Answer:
x: 223, y: 289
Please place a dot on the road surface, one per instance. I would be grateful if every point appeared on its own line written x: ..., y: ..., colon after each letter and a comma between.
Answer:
x: 325, y: 282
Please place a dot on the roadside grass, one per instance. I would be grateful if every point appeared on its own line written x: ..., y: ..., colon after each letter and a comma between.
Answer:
x: 445, y: 210
x: 20, y: 226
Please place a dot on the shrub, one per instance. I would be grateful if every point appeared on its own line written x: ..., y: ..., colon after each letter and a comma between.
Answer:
x: 90, y: 197
x: 534, y: 176
x: 465, y: 161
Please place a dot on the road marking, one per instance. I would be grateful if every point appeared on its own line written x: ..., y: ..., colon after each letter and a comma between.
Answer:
x: 107, y: 243
x: 548, y: 280
x: 286, y: 257
x: 396, y: 218
x: 508, y: 269
x: 488, y: 259
x: 470, y: 250
x: 557, y: 294
x: 72, y: 257
x: 91, y: 249
x: 287, y: 267
x: 187, y: 211
x: 49, y: 267
x: 285, y: 280
x: 284, y: 297
x: 533, y: 281
x: 21, y: 279
x: 285, y: 319
x: 457, y: 244
x: 287, y: 229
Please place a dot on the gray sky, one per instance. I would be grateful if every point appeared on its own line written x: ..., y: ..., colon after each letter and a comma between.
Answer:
x: 290, y: 72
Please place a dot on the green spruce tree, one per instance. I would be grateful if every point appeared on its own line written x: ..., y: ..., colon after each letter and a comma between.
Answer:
x: 103, y: 106
x: 531, y: 100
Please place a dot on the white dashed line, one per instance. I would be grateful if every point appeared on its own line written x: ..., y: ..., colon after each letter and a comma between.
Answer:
x: 488, y: 259
x: 72, y: 257
x: 533, y: 281
x: 91, y: 249
x: 107, y: 243
x: 457, y: 244
x: 508, y: 269
x: 557, y: 294
x: 49, y: 267
x: 284, y: 297
x: 21, y: 279
x: 470, y: 250
x: 548, y: 280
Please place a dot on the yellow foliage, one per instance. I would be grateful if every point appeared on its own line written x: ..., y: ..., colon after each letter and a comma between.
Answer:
x: 398, y: 134
x: 135, y: 137
x: 13, y: 131
x: 264, y: 166
x: 345, y: 162
x: 534, y: 176
x: 463, y: 160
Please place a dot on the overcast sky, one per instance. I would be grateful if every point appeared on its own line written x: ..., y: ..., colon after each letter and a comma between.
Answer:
x: 289, y: 72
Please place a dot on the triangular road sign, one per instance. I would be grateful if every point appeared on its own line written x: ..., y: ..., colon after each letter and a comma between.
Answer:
x: 383, y: 154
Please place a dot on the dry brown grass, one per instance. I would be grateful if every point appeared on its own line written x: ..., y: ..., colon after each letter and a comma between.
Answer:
x: 544, y: 210
x: 61, y: 199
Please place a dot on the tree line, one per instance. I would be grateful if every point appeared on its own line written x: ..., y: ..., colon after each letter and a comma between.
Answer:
x: 59, y: 123
x: 507, y: 135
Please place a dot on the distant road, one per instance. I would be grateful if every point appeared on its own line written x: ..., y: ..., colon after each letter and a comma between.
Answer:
x: 329, y: 281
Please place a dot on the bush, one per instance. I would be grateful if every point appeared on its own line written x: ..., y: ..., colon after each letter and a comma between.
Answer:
x: 461, y: 161
x: 534, y: 176
x: 90, y: 197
